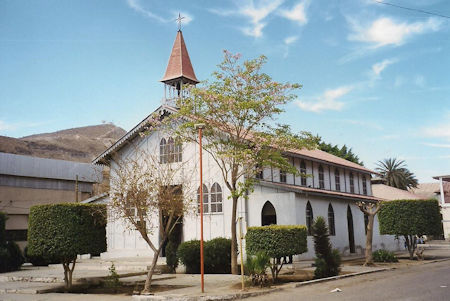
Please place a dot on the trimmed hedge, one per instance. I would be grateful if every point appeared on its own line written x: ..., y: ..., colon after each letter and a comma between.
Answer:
x: 217, y: 256
x: 59, y: 232
x: 276, y: 240
x: 410, y: 217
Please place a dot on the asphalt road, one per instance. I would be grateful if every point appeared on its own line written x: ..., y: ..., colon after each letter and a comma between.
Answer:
x: 424, y: 282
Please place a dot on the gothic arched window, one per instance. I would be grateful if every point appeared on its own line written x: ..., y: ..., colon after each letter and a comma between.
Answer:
x: 205, y: 199
x: 331, y: 226
x: 171, y: 149
x: 309, y: 217
x: 216, y: 198
x: 163, y: 154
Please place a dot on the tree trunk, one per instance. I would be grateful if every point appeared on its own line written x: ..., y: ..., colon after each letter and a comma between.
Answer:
x: 234, y: 266
x: 369, y: 238
x: 148, y: 281
x: 411, y: 245
x: 66, y: 275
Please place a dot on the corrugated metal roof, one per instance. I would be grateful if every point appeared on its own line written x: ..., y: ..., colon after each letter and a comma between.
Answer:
x: 28, y: 166
x: 392, y: 193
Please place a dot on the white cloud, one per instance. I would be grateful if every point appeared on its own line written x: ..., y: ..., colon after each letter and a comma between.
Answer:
x: 256, y: 13
x: 438, y: 131
x: 290, y: 40
x: 386, y: 31
x: 380, y: 66
x: 136, y: 5
x: 440, y: 145
x: 296, y: 13
x: 327, y: 101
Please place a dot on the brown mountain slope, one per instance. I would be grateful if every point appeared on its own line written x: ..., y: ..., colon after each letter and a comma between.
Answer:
x: 78, y: 144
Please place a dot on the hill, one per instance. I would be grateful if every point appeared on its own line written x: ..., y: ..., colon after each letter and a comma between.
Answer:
x: 78, y: 144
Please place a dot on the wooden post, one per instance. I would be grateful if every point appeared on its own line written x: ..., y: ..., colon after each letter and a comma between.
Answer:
x: 202, y: 271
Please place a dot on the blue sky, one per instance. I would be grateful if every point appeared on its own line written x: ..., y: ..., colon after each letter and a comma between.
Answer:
x: 375, y: 77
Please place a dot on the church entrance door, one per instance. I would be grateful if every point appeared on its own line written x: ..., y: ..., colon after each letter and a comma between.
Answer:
x: 351, y: 233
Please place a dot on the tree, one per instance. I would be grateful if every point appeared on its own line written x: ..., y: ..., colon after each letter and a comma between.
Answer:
x: 343, y: 152
x: 410, y: 219
x: 237, y: 108
x: 370, y: 209
x: 59, y: 232
x: 327, y: 259
x: 277, y: 242
x: 395, y: 173
x: 144, y: 190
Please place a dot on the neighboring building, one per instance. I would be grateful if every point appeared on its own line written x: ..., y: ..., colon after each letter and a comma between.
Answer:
x: 26, y: 181
x: 390, y: 193
x: 444, y: 198
x: 332, y: 190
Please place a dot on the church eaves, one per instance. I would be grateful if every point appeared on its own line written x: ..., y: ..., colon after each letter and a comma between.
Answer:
x: 179, y: 66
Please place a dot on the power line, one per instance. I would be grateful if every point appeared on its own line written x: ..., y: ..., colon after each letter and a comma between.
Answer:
x: 412, y: 9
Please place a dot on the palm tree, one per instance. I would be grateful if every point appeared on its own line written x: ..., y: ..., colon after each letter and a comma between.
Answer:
x: 395, y: 173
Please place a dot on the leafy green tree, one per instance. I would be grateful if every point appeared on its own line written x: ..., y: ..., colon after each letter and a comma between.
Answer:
x: 343, y: 152
x: 237, y: 108
x: 59, y: 232
x: 410, y: 219
x: 327, y: 260
x: 395, y: 173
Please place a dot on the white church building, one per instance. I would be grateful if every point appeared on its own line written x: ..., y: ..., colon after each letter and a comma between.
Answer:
x: 331, y: 190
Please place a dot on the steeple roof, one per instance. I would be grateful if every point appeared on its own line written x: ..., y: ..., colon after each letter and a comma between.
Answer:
x: 179, y: 66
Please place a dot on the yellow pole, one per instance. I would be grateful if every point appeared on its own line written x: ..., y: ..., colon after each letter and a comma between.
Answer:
x: 242, y: 255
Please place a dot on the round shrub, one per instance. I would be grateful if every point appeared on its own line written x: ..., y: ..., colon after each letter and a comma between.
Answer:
x: 218, y: 256
x: 189, y: 254
x: 384, y: 256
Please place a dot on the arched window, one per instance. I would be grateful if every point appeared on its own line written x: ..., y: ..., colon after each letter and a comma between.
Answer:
x: 309, y: 217
x: 303, y: 173
x: 268, y: 215
x: 364, y: 184
x: 163, y: 154
x: 321, y: 177
x: 337, y: 179
x: 171, y: 149
x: 216, y: 198
x: 352, y: 183
x: 205, y: 199
x: 331, y: 226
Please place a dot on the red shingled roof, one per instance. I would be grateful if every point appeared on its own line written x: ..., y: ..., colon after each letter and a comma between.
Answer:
x: 179, y: 65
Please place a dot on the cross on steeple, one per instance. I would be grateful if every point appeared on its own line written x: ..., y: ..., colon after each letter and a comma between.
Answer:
x: 179, y: 19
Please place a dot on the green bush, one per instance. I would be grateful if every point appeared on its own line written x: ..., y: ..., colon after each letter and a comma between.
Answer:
x: 59, y: 232
x: 171, y: 255
x: 276, y: 241
x: 410, y: 218
x: 11, y: 257
x: 217, y: 256
x: 327, y: 261
x: 384, y: 256
x: 189, y: 254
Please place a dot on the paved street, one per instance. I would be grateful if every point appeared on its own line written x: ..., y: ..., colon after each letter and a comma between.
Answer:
x: 412, y: 283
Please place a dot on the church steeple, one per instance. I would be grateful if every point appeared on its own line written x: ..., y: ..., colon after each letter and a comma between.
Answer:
x: 179, y: 70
